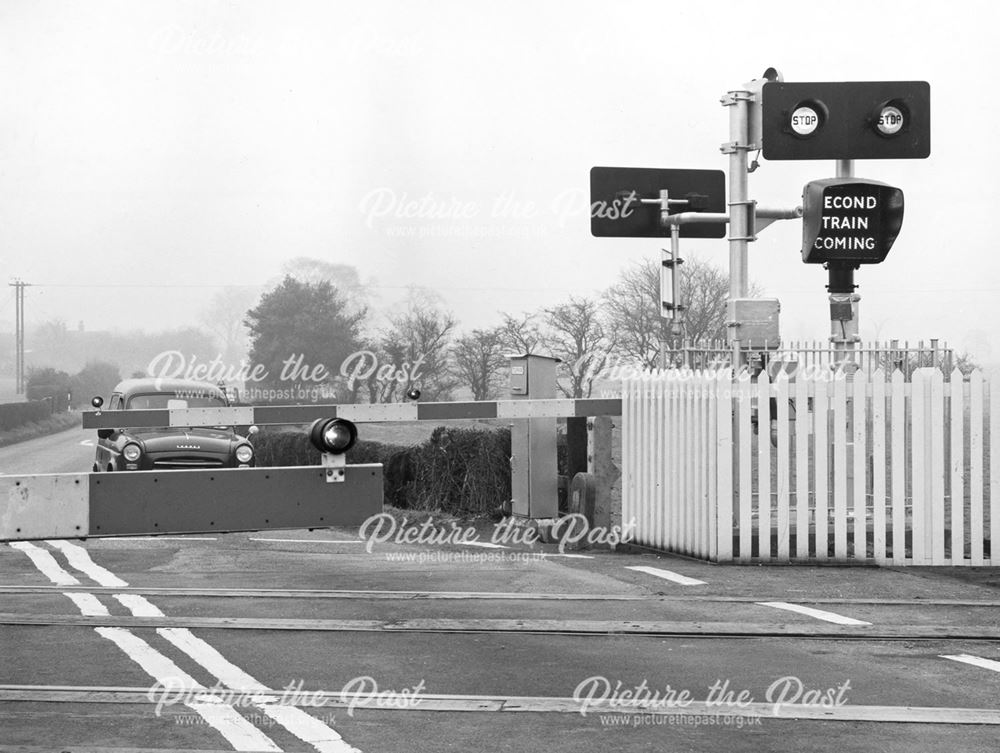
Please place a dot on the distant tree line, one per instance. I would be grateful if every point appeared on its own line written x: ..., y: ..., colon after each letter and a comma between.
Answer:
x: 309, y: 316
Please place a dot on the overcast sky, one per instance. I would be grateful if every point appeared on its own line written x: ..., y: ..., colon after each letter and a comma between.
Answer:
x: 185, y: 145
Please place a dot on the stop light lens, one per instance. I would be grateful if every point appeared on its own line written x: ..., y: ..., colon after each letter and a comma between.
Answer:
x: 805, y: 119
x: 890, y: 119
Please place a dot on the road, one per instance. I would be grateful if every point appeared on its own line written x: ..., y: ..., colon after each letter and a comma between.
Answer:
x: 318, y: 641
x: 70, y: 451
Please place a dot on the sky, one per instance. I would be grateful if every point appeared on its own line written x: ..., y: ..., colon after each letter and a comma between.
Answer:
x: 151, y: 153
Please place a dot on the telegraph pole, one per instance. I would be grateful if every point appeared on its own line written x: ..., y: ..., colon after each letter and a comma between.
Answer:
x: 19, y: 380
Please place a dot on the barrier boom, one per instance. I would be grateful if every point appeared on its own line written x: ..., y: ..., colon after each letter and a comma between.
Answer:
x: 154, y: 503
x: 359, y: 413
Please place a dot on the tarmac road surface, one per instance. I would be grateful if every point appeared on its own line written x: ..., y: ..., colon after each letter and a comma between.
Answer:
x: 306, y: 641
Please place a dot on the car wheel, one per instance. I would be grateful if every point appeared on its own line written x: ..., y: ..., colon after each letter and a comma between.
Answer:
x: 95, y: 468
x: 111, y: 468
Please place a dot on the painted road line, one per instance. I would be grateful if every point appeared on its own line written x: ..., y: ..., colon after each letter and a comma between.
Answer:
x: 667, y: 575
x: 310, y: 541
x: 79, y: 559
x: 45, y: 563
x: 307, y: 728
x: 88, y: 604
x: 436, y: 702
x: 483, y: 544
x: 976, y: 661
x: 87, y: 442
x: 157, y: 538
x: 226, y: 720
x: 295, y: 720
x: 819, y: 614
x: 138, y: 605
x: 567, y: 556
x: 230, y: 723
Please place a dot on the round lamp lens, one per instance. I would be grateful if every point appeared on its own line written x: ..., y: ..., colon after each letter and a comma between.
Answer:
x: 336, y: 437
x: 804, y: 120
x: 890, y: 120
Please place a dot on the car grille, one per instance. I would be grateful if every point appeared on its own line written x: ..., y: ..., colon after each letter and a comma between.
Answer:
x: 188, y: 463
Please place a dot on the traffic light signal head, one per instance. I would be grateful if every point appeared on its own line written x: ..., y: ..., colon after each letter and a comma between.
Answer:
x: 846, y: 120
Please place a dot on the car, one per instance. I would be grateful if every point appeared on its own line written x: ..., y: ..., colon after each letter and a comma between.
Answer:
x: 166, y: 448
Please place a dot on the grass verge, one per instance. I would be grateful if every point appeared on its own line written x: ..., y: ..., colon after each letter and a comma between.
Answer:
x: 51, y: 425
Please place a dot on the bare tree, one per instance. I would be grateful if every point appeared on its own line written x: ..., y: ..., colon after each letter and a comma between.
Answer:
x: 704, y: 290
x: 479, y: 361
x: 575, y: 333
x: 520, y: 334
x: 633, y: 313
x: 633, y: 306
x: 417, y: 343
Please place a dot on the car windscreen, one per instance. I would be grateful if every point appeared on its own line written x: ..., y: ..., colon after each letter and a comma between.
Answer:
x: 171, y: 400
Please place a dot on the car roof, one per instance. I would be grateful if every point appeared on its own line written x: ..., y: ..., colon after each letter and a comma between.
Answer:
x: 152, y: 385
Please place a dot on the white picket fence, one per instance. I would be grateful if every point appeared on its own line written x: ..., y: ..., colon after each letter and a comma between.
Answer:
x: 872, y: 469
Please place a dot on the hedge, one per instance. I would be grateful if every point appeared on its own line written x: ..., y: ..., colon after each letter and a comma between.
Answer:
x: 13, y: 415
x: 274, y: 448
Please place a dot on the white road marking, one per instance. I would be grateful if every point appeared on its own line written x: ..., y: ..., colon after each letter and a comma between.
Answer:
x: 45, y: 563
x: 308, y: 728
x: 88, y: 604
x: 155, y: 538
x: 138, y: 605
x: 305, y: 727
x: 667, y: 575
x: 483, y: 544
x: 311, y: 541
x: 226, y: 720
x: 153, y: 663
x: 569, y: 556
x: 232, y: 725
x: 976, y: 661
x: 87, y: 442
x: 209, y: 658
x: 79, y: 559
x: 819, y: 614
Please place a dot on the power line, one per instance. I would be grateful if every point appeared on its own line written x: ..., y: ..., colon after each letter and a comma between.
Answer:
x: 182, y: 286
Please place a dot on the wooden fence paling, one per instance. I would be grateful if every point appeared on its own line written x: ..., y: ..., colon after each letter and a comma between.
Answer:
x: 840, y: 468
x: 957, y: 489
x: 859, y: 513
x: 919, y: 467
x: 936, y: 527
x: 709, y: 498
x: 746, y: 471
x: 879, y: 460
x: 898, y: 435
x: 629, y: 426
x: 660, y: 462
x: 725, y: 455
x: 763, y: 467
x: 677, y: 473
x: 783, y: 458
x: 821, y: 444
x: 802, y: 425
x: 976, y: 448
